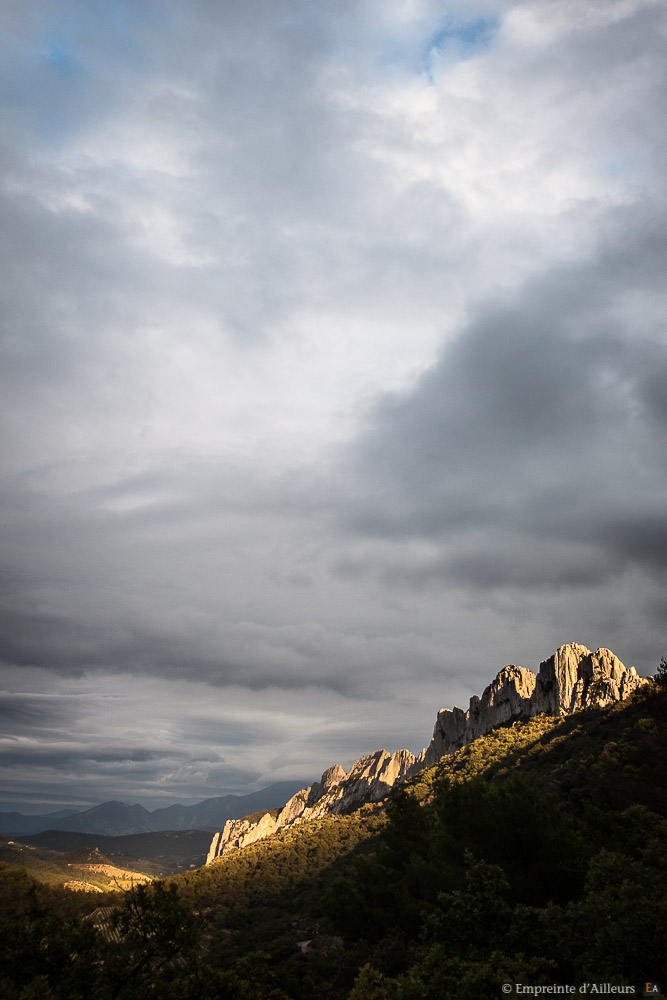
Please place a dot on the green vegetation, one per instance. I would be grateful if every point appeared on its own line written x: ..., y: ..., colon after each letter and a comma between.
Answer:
x: 83, y: 869
x: 537, y: 854
x: 157, y: 854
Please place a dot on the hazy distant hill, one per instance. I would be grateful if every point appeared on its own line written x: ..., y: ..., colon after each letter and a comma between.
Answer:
x: 110, y: 818
x: 114, y: 819
x: 15, y: 822
x: 204, y: 815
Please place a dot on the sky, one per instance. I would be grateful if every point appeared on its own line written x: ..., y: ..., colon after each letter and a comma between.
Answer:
x: 332, y: 373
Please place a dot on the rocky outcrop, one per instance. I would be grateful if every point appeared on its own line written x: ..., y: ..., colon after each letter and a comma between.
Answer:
x: 507, y: 697
x: 572, y: 679
x: 369, y: 779
x: 238, y: 833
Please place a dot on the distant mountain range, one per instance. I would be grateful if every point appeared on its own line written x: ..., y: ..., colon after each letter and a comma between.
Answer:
x: 16, y: 823
x: 116, y: 819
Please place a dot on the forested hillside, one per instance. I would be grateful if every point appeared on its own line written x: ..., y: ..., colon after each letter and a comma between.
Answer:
x: 535, y: 854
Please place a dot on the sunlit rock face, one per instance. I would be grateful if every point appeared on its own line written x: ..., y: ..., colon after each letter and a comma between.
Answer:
x: 572, y: 679
x: 239, y: 833
x: 369, y: 779
x: 507, y: 697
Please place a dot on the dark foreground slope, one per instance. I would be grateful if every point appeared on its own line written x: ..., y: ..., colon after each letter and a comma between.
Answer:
x: 536, y: 854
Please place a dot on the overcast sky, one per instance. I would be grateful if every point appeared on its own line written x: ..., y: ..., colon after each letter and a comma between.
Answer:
x: 333, y: 374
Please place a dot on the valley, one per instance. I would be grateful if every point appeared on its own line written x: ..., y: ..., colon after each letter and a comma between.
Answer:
x: 50, y: 856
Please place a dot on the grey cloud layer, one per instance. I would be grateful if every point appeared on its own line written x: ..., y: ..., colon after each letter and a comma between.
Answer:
x: 333, y: 366
x: 543, y: 419
x: 531, y: 458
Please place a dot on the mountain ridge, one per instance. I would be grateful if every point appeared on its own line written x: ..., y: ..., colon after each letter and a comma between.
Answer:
x: 571, y: 679
x: 113, y: 818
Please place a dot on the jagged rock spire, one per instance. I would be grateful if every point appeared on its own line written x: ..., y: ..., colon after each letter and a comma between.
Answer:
x: 572, y: 679
x: 369, y: 779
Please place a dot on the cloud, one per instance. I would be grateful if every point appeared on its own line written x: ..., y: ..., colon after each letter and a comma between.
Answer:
x: 30, y: 712
x: 539, y: 420
x: 527, y: 464
x: 332, y: 370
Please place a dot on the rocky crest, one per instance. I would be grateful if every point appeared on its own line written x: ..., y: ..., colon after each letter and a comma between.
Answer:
x: 572, y: 679
x: 369, y: 779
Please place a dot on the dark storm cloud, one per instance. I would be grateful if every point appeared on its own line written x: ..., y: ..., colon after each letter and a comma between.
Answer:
x: 82, y: 757
x: 255, y: 656
x: 220, y: 731
x: 32, y: 712
x: 532, y: 454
